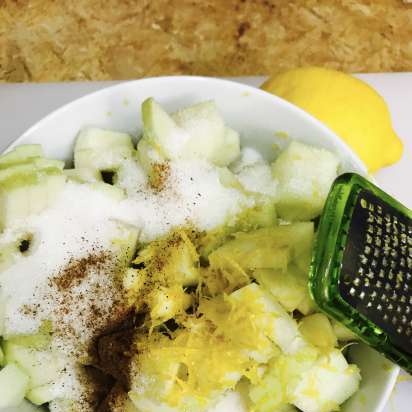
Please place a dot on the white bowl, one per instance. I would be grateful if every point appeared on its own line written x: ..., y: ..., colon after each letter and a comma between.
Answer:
x: 263, y: 121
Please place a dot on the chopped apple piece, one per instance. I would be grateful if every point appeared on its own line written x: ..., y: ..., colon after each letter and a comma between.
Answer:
x: 318, y: 330
x: 305, y: 175
x: 329, y: 383
x: 197, y: 131
x: 13, y: 386
x: 20, y: 154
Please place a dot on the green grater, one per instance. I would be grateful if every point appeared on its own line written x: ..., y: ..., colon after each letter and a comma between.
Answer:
x: 361, y: 272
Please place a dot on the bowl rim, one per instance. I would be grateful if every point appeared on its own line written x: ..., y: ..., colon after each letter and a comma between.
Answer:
x: 341, y: 145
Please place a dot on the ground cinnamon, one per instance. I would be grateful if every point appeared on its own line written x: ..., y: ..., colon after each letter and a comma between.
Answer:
x: 159, y: 176
x: 77, y: 269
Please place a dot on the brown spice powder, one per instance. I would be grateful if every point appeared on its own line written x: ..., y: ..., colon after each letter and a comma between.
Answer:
x: 159, y: 176
x: 86, y: 299
x: 77, y: 269
x: 115, y: 401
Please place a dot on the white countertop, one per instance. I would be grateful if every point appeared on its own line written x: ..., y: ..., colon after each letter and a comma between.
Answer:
x: 21, y: 105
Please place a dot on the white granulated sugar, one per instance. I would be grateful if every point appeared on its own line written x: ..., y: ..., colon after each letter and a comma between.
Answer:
x: 192, y: 195
x: 258, y: 178
x: 131, y: 175
x: 79, y: 220
x: 176, y: 140
x: 82, y: 217
x: 248, y: 157
x: 254, y: 173
x: 82, y: 222
x: 67, y: 382
x: 69, y: 389
x: 207, y: 200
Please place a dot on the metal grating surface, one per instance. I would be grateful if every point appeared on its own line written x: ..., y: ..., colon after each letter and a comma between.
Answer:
x: 376, y: 272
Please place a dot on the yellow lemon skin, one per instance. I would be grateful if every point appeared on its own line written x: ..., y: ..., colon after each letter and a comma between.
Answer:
x: 347, y: 105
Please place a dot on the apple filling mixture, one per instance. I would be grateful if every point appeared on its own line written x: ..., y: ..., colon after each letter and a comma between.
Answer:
x: 170, y: 276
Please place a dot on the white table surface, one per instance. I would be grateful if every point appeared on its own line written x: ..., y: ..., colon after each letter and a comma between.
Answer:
x: 21, y: 105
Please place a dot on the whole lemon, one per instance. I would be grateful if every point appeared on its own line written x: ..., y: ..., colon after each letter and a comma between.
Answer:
x: 347, y: 105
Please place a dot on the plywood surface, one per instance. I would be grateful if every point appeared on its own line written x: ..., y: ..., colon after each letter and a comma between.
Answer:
x: 55, y: 40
